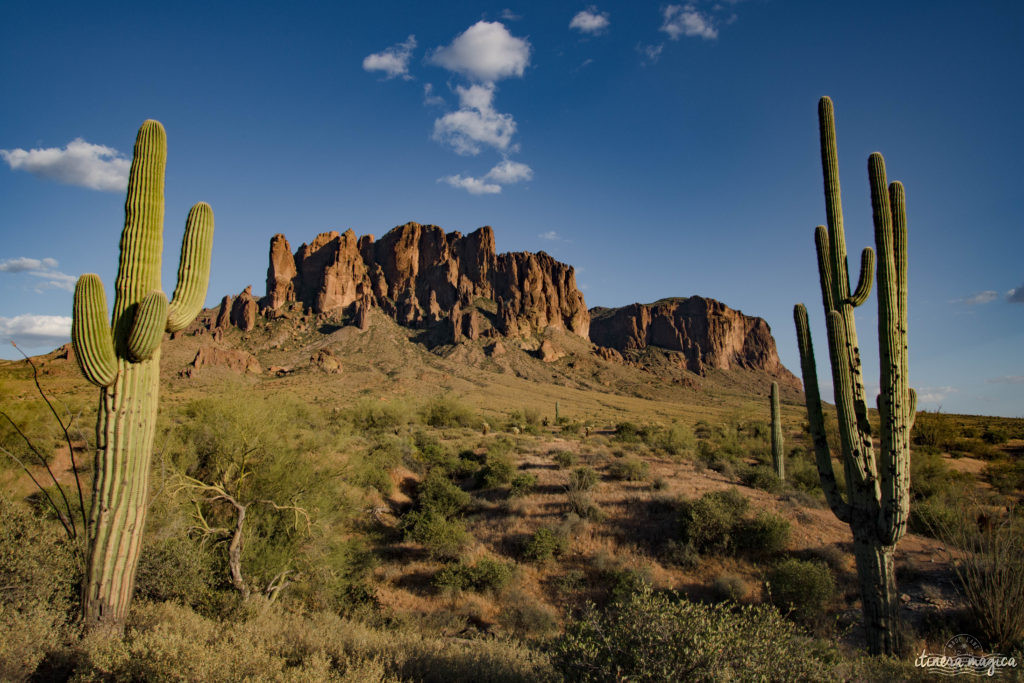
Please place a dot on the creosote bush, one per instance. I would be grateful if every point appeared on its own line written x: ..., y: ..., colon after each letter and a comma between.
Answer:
x: 545, y: 544
x: 482, y: 576
x: 707, y: 523
x: 628, y: 469
x: 801, y: 588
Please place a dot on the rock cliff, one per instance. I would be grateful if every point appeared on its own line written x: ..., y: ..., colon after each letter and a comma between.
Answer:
x: 708, y: 333
x: 421, y: 276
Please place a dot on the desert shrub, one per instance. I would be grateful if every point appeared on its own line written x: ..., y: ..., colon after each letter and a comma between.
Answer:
x: 442, y: 536
x: 623, y: 582
x: 544, y: 544
x: 498, y: 469
x: 571, y: 426
x: 522, y: 484
x: 1006, y: 475
x: 801, y: 588
x: 936, y: 492
x: 583, y: 479
x: 582, y: 506
x: 676, y: 440
x: 659, y: 484
x: 528, y: 420
x: 656, y: 637
x: 376, y: 417
x: 39, y: 578
x: 628, y: 432
x: 760, y: 477
x: 447, y: 411
x: 628, y: 469
x: 433, y: 454
x: 988, y: 571
x: 802, y: 473
x: 437, y: 493
x: 564, y: 459
x: 177, y: 568
x: 765, y: 534
x: 482, y: 576
x: 708, y: 522
x: 525, y: 616
x: 731, y: 587
x: 995, y: 436
x: 936, y: 430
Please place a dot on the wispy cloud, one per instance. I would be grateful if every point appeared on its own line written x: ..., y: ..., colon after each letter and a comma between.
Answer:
x: 430, y: 98
x: 1016, y: 295
x: 590, y: 21
x: 687, y: 20
x: 934, y: 394
x: 476, y: 122
x: 505, y: 173
x: 44, y: 269
x: 36, y: 330
x: 82, y: 163
x: 650, y: 53
x: 509, y: 15
x: 470, y: 184
x: 1006, y: 379
x: 986, y: 297
x: 393, y: 61
x: 485, y: 52
x: 550, y: 236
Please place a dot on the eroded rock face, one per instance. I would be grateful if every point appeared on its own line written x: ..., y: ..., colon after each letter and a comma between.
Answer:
x: 234, y: 360
x: 707, y: 332
x: 243, y: 310
x: 420, y: 275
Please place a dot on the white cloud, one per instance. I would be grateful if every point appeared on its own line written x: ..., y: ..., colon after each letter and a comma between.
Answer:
x: 485, y: 52
x: 45, y: 269
x: 550, y: 235
x: 79, y: 163
x: 476, y: 122
x: 985, y: 297
x: 686, y: 20
x: 651, y: 52
x: 1006, y: 379
x: 36, y: 330
x: 590, y: 21
x: 1016, y: 295
x: 393, y: 61
x: 431, y: 99
x: 934, y: 394
x: 470, y: 184
x: 509, y: 15
x: 508, y: 172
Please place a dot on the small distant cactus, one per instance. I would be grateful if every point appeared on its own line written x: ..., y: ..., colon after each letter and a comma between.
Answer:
x: 778, y: 453
x: 123, y: 359
x: 878, y: 499
x: 558, y: 419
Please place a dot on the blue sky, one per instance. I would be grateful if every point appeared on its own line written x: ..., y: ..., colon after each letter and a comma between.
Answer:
x: 663, y: 149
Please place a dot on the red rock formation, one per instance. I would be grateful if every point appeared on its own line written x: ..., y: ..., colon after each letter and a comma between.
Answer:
x: 236, y: 361
x: 707, y: 332
x: 243, y: 310
x: 419, y: 275
x: 224, y: 313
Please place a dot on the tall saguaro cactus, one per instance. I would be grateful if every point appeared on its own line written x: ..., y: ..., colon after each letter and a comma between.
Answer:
x: 123, y: 359
x: 877, y: 499
x: 778, y: 454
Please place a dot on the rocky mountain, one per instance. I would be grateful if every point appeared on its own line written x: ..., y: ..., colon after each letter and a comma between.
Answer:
x: 456, y: 287
x: 707, y: 332
x: 422, y: 276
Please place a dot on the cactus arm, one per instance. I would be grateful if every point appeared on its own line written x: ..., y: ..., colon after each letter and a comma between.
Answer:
x: 815, y: 418
x: 823, y: 251
x: 193, y: 268
x: 148, y: 327
x: 867, y: 267
x: 90, y: 332
x: 833, y: 199
x: 778, y: 450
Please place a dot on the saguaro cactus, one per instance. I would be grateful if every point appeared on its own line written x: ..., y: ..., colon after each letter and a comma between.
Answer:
x: 123, y: 359
x: 778, y: 456
x: 877, y: 500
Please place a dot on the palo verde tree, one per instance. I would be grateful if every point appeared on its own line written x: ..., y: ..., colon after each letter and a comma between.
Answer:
x: 877, y: 500
x: 122, y: 357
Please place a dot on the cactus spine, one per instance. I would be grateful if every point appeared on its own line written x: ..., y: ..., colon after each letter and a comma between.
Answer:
x: 877, y: 501
x: 778, y: 457
x: 123, y: 359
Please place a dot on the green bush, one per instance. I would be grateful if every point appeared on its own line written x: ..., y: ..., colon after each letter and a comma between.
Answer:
x: 446, y: 411
x: 760, y: 477
x: 653, y: 637
x: 731, y: 587
x: 676, y: 440
x: 498, y: 469
x: 801, y: 588
x: 525, y: 616
x: 765, y: 534
x: 995, y: 436
x: 707, y: 523
x: 582, y: 479
x: 377, y: 417
x: 544, y: 544
x: 628, y: 469
x: 1006, y: 475
x: 486, y: 575
x: 176, y: 568
x: 933, y: 429
x: 522, y: 484
x: 443, y: 537
x: 627, y: 431
x: 564, y: 459
x: 437, y: 493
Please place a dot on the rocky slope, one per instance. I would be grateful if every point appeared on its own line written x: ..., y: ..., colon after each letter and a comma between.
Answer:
x: 421, y: 276
x: 708, y: 333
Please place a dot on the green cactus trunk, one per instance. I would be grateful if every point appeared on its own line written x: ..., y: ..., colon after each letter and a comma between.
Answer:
x: 124, y: 360
x: 778, y: 455
x: 877, y: 502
